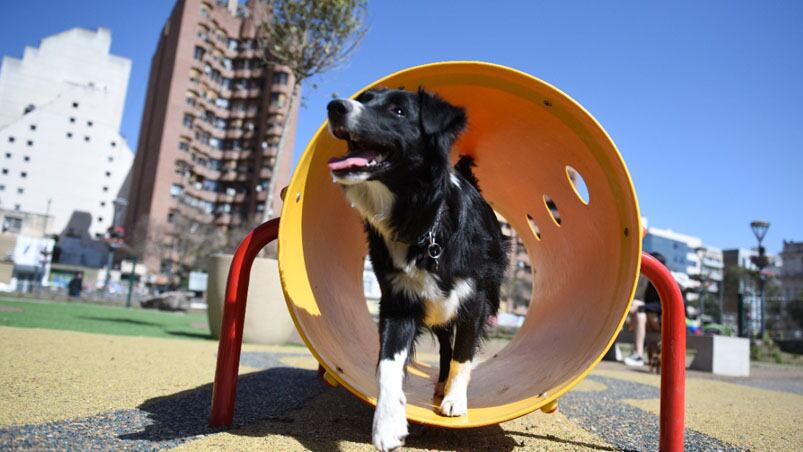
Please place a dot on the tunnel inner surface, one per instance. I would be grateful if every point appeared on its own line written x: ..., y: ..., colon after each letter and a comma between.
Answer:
x: 530, y: 143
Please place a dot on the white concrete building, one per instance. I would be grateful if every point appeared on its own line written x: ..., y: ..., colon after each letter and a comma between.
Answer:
x: 681, y: 252
x: 60, y: 112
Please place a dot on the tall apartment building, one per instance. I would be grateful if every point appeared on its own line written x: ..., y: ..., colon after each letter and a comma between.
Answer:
x: 60, y: 148
x: 211, y: 126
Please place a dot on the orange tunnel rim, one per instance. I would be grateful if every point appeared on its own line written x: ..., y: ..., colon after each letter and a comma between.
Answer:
x: 293, y: 259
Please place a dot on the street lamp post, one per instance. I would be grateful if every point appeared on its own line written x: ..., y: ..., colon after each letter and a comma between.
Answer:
x: 760, y: 228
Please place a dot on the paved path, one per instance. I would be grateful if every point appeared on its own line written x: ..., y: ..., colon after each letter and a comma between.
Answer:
x: 65, y: 390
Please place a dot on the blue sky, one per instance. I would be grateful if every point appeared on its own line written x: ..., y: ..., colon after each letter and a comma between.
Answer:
x: 703, y: 99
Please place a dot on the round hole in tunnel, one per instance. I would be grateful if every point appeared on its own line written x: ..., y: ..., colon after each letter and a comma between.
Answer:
x: 553, y: 209
x: 578, y: 184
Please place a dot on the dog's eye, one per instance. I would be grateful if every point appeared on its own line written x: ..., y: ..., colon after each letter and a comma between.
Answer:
x: 396, y: 110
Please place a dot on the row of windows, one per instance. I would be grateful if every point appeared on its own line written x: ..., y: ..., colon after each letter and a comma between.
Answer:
x: 235, y: 64
x: 25, y: 158
x: 238, y: 105
x: 205, y: 206
x: 4, y: 172
x: 230, y: 43
x: 20, y: 190
x: 24, y: 174
x: 228, y: 84
x: 12, y: 139
x: 29, y: 143
x: 88, y: 122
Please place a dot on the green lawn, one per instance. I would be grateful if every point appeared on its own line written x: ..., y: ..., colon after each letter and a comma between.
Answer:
x: 90, y: 318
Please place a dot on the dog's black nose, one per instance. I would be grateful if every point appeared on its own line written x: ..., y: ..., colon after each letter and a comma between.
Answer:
x: 337, y: 108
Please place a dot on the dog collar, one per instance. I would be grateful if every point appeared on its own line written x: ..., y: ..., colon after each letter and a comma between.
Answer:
x: 434, y: 249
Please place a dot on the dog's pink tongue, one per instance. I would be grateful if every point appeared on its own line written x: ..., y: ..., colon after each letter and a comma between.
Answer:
x: 348, y: 162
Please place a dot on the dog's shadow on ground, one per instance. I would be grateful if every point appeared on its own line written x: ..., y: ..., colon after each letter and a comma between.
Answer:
x: 295, y: 403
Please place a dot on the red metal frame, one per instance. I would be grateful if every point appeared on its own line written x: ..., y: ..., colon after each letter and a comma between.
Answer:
x: 673, y: 353
x: 224, y: 391
x: 673, y: 339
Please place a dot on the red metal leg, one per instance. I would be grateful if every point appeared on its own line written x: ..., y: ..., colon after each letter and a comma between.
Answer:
x: 231, y: 331
x: 673, y: 353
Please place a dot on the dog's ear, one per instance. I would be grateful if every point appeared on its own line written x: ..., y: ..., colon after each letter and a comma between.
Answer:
x: 440, y: 120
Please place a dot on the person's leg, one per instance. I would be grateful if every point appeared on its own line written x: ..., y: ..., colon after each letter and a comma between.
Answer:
x: 641, y: 332
x: 638, y: 323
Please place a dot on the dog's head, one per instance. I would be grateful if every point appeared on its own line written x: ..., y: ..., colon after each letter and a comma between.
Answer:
x: 394, y: 136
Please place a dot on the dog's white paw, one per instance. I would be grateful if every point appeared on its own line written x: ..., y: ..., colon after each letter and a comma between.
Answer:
x: 440, y: 389
x: 390, y: 425
x: 454, y: 404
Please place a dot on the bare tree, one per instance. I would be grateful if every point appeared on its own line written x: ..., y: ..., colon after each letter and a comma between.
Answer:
x: 308, y: 37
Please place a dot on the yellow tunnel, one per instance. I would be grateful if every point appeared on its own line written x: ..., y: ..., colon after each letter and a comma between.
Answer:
x: 524, y: 135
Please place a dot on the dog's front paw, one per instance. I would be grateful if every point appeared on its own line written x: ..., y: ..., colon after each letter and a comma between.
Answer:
x: 390, y: 425
x: 454, y: 404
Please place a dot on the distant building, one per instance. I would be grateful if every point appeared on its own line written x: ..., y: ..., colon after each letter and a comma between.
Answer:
x: 209, y: 142
x: 25, y: 250
x: 791, y: 274
x: 683, y: 255
x: 60, y: 111
x: 28, y: 224
x: 691, y: 262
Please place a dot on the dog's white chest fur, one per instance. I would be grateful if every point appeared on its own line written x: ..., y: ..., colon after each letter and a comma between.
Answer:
x: 375, y: 202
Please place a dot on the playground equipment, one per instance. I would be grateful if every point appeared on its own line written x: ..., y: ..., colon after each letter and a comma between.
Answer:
x: 532, y: 144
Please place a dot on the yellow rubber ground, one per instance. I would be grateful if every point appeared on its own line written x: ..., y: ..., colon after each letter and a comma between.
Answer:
x: 68, y: 377
x: 524, y: 135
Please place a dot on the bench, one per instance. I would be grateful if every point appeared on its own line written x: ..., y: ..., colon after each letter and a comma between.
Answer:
x: 720, y: 355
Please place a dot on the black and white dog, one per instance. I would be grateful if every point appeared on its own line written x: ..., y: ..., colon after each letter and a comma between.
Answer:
x: 435, y: 244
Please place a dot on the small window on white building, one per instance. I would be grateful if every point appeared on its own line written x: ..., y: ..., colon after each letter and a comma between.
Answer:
x: 114, y: 144
x: 4, y: 171
x: 23, y: 174
x: 20, y: 190
x: 30, y: 143
x: 100, y: 219
x: 108, y: 173
x: 2, y: 187
x: 8, y: 155
x: 111, y: 159
x: 33, y: 126
x: 75, y: 105
x: 17, y: 207
x: 105, y: 188
x: 89, y: 123
x: 86, y: 138
x: 69, y: 134
x: 10, y: 139
x: 12, y: 224
x: 72, y: 120
x: 27, y: 158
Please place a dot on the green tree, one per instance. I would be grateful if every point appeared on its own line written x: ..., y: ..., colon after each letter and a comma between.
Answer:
x: 308, y: 37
